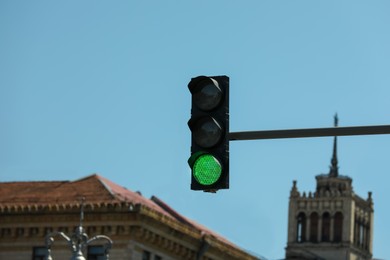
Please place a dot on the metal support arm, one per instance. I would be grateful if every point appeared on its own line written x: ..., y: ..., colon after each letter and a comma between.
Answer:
x: 310, y: 132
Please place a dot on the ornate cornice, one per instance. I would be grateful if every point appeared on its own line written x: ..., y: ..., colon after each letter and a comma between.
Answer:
x: 119, y: 221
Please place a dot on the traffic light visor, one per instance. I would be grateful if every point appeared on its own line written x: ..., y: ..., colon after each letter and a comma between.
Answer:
x: 207, y: 132
x: 206, y: 169
x: 206, y: 93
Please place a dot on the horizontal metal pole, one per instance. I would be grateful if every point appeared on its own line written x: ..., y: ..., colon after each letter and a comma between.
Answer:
x: 310, y: 132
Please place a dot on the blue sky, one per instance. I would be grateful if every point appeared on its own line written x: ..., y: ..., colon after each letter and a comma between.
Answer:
x: 101, y: 87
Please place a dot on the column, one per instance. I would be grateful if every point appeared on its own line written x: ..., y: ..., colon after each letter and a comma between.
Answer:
x: 319, y: 228
x: 308, y: 221
x: 331, y: 231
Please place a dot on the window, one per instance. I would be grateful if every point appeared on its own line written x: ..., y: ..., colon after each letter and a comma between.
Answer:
x: 5, y: 232
x: 356, y: 231
x: 96, y: 253
x: 301, y: 227
x: 34, y: 231
x: 20, y: 231
x: 146, y: 255
x: 325, y: 227
x: 39, y: 253
x: 338, y: 227
x: 48, y: 230
x: 314, y: 227
x: 367, y: 242
x: 361, y: 235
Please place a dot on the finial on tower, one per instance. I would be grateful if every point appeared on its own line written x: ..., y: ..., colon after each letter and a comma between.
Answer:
x: 334, y: 169
x: 336, y: 120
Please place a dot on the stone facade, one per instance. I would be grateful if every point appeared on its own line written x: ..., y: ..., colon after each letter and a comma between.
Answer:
x: 140, y: 228
x: 332, y: 223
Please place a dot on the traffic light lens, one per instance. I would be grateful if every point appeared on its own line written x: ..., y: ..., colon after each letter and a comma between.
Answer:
x: 207, y: 132
x: 208, y: 96
x: 207, y: 169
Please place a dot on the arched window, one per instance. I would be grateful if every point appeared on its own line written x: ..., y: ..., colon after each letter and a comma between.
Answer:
x: 367, y: 244
x: 338, y: 227
x: 361, y: 234
x: 325, y: 227
x: 313, y: 227
x: 356, y: 231
x: 301, y: 227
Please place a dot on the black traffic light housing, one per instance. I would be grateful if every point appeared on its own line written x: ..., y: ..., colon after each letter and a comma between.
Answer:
x: 209, y: 125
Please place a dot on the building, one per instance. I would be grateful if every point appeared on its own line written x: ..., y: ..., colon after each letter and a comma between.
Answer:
x: 331, y: 223
x: 140, y: 228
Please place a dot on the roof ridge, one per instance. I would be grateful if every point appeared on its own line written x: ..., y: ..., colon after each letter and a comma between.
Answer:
x: 93, y: 175
x: 190, y: 222
x: 171, y: 211
x: 105, y: 185
x: 117, y: 191
x: 102, y: 181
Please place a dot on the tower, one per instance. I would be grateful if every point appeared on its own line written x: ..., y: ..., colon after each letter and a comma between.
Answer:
x: 331, y: 223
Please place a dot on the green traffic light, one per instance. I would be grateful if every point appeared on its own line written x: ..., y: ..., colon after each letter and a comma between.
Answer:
x: 206, y: 169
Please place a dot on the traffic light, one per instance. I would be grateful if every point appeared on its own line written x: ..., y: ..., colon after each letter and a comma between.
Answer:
x: 209, y: 125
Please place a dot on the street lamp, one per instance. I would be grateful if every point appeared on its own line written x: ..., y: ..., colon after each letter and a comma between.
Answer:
x: 78, y: 241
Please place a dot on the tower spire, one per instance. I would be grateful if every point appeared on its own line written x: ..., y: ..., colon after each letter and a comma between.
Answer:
x: 334, y: 169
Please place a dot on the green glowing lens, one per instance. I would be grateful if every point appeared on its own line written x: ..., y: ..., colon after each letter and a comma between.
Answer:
x: 206, y: 169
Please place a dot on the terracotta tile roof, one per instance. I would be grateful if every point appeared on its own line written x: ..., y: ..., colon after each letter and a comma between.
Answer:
x: 95, y: 189
x: 190, y: 222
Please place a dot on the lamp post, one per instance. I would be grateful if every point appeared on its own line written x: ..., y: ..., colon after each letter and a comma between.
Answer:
x: 78, y: 241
